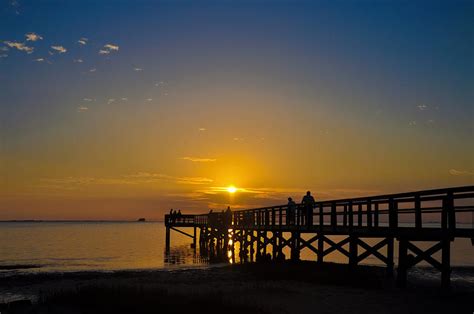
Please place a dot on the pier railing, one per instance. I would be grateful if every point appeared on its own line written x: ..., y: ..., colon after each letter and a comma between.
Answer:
x: 437, y: 208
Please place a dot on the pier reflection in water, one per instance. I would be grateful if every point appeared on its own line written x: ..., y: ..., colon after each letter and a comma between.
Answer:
x: 184, y: 255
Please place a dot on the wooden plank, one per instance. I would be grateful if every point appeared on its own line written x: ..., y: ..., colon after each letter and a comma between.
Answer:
x: 418, y: 223
x: 182, y: 232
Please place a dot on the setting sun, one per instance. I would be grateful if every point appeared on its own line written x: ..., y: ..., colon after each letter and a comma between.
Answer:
x: 231, y: 189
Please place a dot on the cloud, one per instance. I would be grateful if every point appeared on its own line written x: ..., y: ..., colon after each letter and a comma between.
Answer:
x: 110, y: 100
x: 149, y: 99
x: 412, y: 123
x: 88, y: 99
x: 124, y: 99
x: 82, y: 109
x: 79, y: 183
x: 153, y: 177
x: 3, y: 48
x: 107, y: 49
x: 3, y: 55
x: 455, y: 172
x: 422, y: 107
x: 39, y: 60
x: 59, y: 49
x: 33, y: 37
x: 202, y: 129
x: 111, y: 47
x: 238, y: 139
x: 83, y: 41
x: 19, y: 46
x: 137, y: 69
x: 160, y: 83
x: 196, y: 159
x: 77, y: 60
x: 92, y: 70
x: 76, y: 183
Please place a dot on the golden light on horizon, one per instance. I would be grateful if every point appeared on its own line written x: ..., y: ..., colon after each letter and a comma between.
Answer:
x: 231, y: 189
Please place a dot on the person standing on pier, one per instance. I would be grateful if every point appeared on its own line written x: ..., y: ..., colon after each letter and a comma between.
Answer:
x: 228, y: 216
x: 308, y: 205
x: 290, y: 212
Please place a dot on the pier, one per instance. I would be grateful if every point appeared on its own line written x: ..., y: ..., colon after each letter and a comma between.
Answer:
x: 435, y: 217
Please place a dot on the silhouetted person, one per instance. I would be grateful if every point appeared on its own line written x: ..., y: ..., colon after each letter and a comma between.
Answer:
x: 290, y: 212
x: 179, y: 214
x: 171, y: 214
x: 308, y: 205
x: 228, y: 216
x: 174, y: 215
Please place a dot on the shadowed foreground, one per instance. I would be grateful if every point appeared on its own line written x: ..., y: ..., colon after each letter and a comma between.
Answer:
x: 250, y: 288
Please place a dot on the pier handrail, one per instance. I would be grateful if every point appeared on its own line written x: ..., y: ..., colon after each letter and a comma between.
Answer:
x: 368, y: 211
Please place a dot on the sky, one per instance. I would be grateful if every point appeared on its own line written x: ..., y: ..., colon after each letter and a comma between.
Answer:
x: 125, y: 109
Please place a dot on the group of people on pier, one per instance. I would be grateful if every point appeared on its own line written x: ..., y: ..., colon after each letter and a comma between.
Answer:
x: 175, y: 215
x: 295, y: 214
x: 304, y: 212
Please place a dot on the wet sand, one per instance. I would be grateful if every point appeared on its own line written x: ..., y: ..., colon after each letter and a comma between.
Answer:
x: 287, y: 287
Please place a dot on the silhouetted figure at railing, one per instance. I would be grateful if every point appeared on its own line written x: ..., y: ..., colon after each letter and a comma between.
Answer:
x: 178, y: 215
x: 174, y: 215
x: 228, y: 216
x: 290, y: 212
x: 308, y: 203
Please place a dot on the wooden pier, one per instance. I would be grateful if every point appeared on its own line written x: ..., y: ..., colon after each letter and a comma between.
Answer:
x: 436, y: 217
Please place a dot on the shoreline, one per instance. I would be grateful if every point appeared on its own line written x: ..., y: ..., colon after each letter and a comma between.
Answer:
x: 293, y: 286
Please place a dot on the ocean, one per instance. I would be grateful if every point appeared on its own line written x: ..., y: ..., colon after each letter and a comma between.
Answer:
x: 40, y: 247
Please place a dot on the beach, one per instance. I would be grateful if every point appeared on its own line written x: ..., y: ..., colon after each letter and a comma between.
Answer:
x: 287, y: 287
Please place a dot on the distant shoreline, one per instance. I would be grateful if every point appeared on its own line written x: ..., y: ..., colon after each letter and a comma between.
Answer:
x: 81, y: 221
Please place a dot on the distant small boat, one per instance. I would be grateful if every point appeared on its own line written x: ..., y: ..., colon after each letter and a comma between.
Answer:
x: 141, y: 220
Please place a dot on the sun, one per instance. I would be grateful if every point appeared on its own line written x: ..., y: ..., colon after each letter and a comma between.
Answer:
x: 231, y: 189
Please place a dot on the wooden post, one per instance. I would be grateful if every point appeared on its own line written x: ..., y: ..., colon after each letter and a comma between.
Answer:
x: 194, y: 238
x: 344, y: 217
x: 444, y: 215
x: 333, y: 216
x: 320, y: 248
x: 369, y: 214
x: 321, y: 217
x: 392, y: 213
x: 418, y: 223
x: 359, y: 215
x: 353, y: 251
x: 295, y: 251
x: 274, y: 244
x: 167, y: 246
x: 451, y: 212
x: 402, y: 263
x: 252, y: 245
x: 351, y: 216
x: 280, y: 217
x: 445, y: 264
x: 390, y: 263
x: 376, y: 215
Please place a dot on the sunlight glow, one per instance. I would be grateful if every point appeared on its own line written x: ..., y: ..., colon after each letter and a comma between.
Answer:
x: 231, y: 189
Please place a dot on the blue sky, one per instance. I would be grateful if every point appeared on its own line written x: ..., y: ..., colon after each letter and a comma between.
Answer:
x: 382, y: 88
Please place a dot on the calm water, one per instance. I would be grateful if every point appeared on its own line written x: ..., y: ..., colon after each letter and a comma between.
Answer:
x: 109, y: 246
